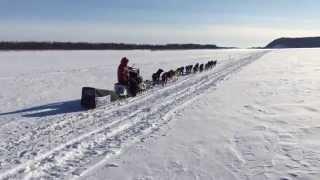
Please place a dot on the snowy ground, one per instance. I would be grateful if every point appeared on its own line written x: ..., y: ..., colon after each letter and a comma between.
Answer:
x: 34, y: 78
x: 255, y: 116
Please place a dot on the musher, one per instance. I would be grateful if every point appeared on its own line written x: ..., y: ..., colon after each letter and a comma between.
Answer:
x: 124, y: 77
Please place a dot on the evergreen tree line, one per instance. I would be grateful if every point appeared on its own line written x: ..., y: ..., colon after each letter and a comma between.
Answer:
x: 98, y: 46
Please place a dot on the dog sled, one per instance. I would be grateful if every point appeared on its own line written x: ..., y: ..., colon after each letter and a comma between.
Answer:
x: 92, y: 98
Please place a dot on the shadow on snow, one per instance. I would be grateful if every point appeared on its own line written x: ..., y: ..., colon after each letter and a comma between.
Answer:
x: 49, y: 109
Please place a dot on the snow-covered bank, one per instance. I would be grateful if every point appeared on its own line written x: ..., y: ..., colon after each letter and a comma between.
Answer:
x: 263, y: 123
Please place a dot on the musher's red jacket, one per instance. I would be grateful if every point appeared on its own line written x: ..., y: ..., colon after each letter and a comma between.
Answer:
x: 123, y: 74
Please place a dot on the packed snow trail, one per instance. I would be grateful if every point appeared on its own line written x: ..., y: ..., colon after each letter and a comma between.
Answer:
x: 82, y: 139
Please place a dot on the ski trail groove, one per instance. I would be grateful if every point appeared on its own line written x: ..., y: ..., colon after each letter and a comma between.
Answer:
x: 112, y: 129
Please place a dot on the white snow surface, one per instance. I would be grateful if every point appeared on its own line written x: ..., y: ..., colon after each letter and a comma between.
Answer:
x: 254, y: 116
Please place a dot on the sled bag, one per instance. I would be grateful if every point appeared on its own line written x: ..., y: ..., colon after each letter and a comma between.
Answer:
x: 88, y: 98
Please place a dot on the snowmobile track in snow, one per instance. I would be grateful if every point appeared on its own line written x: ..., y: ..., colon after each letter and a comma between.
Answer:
x: 82, y: 139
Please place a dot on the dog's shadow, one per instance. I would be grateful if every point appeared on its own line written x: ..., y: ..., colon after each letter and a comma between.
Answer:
x: 49, y: 109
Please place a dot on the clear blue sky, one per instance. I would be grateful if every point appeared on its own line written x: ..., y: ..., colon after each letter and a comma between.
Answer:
x: 223, y: 22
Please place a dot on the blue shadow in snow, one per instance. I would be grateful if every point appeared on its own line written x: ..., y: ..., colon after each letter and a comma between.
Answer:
x: 49, y: 109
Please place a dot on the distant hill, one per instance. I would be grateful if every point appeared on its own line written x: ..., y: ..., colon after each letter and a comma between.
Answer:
x: 99, y: 46
x: 305, y: 42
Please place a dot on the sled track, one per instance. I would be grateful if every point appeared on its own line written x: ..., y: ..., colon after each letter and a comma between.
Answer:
x: 82, y: 139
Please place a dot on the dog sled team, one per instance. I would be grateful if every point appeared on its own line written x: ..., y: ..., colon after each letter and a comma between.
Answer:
x: 130, y: 82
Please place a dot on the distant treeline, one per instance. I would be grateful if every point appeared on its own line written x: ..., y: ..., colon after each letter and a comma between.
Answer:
x: 98, y: 46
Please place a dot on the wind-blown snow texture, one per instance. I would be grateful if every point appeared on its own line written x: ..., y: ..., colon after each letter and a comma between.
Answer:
x: 253, y: 117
